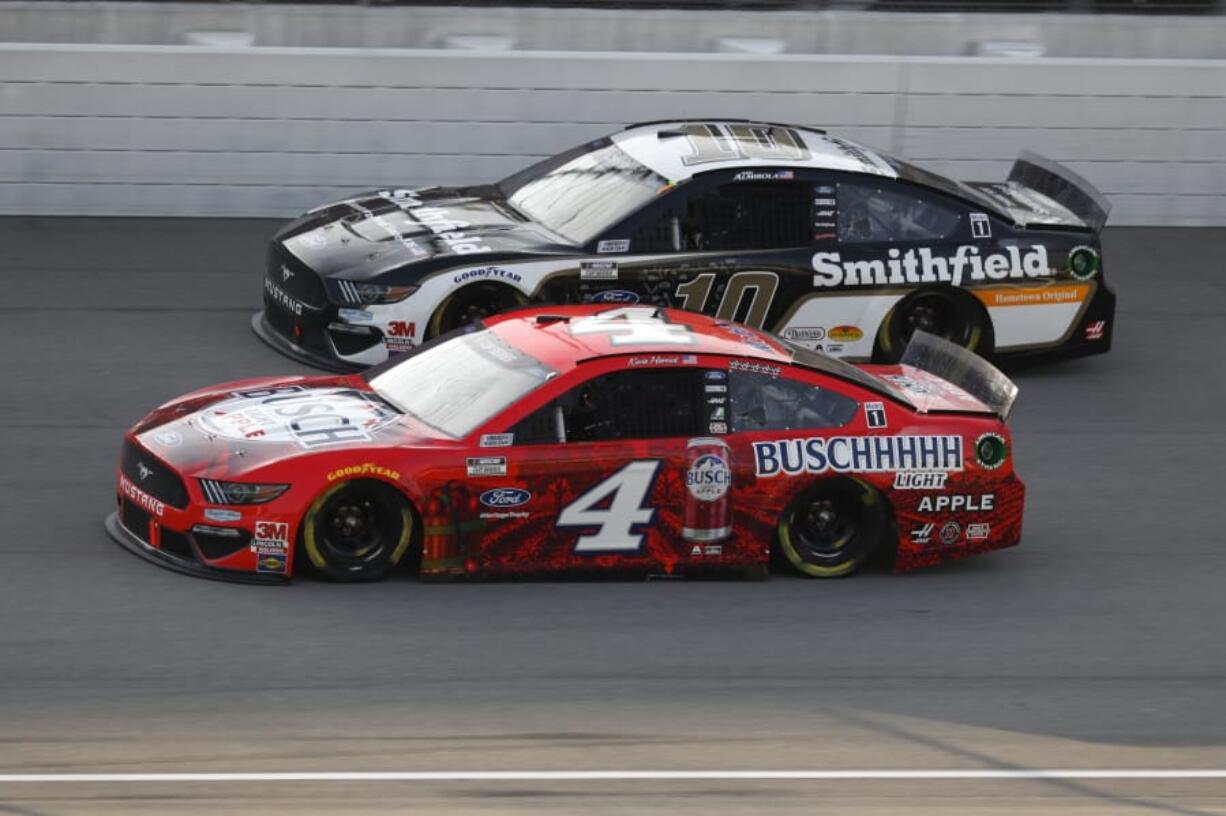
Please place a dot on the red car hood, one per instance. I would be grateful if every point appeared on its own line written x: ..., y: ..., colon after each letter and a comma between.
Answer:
x: 230, y: 430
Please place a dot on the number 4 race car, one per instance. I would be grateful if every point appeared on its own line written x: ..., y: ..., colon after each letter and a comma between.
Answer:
x: 827, y: 243
x: 580, y: 438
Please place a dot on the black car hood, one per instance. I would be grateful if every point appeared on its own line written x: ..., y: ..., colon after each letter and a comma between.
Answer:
x: 371, y: 234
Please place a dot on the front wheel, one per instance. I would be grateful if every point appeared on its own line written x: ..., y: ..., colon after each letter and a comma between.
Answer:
x: 948, y: 313
x: 472, y: 303
x: 358, y: 530
x: 833, y: 528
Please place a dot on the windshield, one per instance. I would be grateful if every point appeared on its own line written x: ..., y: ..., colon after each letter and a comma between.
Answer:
x: 457, y: 385
x: 581, y: 193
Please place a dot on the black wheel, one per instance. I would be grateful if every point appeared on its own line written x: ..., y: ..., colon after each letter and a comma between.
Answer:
x: 947, y: 313
x: 832, y: 528
x: 472, y: 303
x: 357, y: 531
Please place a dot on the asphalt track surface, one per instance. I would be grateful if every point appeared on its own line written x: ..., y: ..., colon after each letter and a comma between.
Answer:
x: 1096, y: 644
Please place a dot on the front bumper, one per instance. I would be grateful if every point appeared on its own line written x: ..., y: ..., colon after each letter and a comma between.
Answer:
x: 265, y: 331
x: 133, y: 544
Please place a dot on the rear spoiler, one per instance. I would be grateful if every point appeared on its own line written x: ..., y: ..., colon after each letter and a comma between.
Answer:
x: 964, y: 368
x: 1063, y: 186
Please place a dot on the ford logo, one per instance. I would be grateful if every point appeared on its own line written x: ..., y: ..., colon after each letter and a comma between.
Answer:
x: 505, y: 497
x: 615, y: 296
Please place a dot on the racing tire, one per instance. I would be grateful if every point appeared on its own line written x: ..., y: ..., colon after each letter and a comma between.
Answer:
x: 358, y: 531
x: 948, y: 313
x: 832, y: 528
x: 472, y: 303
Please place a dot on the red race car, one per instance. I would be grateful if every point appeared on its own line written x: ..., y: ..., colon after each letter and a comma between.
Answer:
x: 580, y: 439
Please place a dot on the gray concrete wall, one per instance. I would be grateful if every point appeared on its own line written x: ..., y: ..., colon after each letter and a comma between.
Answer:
x: 666, y: 30
x: 269, y: 131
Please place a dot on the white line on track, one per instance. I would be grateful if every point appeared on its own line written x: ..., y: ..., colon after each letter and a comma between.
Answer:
x: 627, y: 775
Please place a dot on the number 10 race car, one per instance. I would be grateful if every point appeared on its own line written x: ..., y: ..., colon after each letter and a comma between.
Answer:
x: 827, y: 243
x: 580, y: 439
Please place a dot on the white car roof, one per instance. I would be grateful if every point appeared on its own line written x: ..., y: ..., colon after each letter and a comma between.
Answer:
x: 663, y: 147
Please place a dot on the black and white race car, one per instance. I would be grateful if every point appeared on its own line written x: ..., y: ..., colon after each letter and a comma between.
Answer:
x: 832, y: 245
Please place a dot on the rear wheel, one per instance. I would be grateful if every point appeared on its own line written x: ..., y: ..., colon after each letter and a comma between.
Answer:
x: 833, y: 528
x: 947, y: 313
x: 358, y: 531
x: 472, y: 303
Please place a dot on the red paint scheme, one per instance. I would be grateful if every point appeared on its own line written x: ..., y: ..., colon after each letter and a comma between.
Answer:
x: 459, y: 535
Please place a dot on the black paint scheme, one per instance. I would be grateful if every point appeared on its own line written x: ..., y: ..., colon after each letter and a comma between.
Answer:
x: 716, y: 223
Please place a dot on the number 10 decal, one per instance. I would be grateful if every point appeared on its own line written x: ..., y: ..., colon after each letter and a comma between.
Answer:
x: 625, y: 492
x: 696, y: 292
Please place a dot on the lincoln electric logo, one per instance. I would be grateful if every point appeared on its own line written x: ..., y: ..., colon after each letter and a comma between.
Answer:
x: 144, y: 470
x: 505, y: 497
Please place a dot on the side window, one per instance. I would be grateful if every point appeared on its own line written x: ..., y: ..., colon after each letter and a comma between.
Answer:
x: 882, y: 211
x: 748, y: 215
x: 763, y: 402
x: 632, y: 404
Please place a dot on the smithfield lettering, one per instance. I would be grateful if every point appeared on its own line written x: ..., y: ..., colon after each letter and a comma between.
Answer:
x: 916, y: 266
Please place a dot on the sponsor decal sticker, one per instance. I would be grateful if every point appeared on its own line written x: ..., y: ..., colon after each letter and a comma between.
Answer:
x: 922, y: 534
x: 450, y: 230
x: 845, y: 334
x: 618, y: 245
x: 218, y: 514
x: 764, y: 175
x: 981, y: 225
x: 314, y: 240
x: 171, y: 439
x: 713, y: 549
x: 503, y: 515
x: 715, y: 389
x: 400, y: 336
x: 660, y: 359
x: 874, y: 414
x: 925, y: 265
x: 805, y: 334
x: 978, y: 531
x: 1033, y: 296
x: 718, y: 427
x: 272, y: 562
x: 857, y: 454
x: 502, y: 440
x: 271, y: 545
x: 598, y: 270
x: 919, y: 480
x: 708, y: 478
x: 1096, y: 330
x: 366, y: 469
x: 310, y: 418
x: 355, y: 315
x: 715, y: 375
x: 486, y: 273
x: 755, y: 368
x: 615, y: 296
x: 950, y: 532
x: 505, y: 497
x: 487, y: 465
x: 958, y: 503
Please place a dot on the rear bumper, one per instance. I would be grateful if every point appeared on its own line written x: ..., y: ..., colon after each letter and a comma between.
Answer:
x: 130, y: 542
x: 1091, y: 334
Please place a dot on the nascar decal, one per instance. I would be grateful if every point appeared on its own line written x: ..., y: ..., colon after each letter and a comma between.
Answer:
x: 310, y: 418
x: 924, y: 266
x: 857, y: 454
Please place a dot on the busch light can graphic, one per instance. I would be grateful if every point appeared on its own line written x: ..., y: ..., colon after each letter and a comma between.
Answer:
x: 708, y: 516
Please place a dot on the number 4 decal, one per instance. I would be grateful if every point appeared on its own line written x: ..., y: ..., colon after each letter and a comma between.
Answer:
x: 624, y: 493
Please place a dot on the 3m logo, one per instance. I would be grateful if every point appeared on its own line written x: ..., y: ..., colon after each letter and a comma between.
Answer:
x: 399, y: 328
x: 272, y: 530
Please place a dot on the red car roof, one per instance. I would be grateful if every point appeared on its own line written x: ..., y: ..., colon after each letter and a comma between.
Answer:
x: 563, y: 336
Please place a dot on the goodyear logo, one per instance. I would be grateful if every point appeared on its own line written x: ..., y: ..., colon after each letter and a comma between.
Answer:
x: 367, y: 469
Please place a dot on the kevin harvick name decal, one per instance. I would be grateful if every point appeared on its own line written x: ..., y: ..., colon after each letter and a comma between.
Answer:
x: 857, y: 454
x: 923, y: 266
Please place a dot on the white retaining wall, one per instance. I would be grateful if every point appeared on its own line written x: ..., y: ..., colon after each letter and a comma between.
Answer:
x: 179, y: 130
